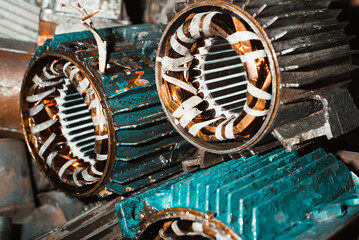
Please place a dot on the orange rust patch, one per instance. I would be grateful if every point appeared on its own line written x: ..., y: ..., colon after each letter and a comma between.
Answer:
x: 137, y: 80
x: 105, y: 193
x: 46, y: 31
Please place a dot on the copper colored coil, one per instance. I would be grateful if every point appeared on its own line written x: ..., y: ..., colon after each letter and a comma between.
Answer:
x: 68, y: 144
x: 221, y: 26
x: 178, y: 228
x: 183, y: 223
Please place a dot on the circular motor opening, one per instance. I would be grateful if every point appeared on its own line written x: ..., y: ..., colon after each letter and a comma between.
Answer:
x: 180, y: 223
x: 221, y: 76
x: 65, y: 125
x: 216, y: 77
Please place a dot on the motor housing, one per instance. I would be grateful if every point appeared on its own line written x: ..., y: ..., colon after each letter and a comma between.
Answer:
x: 97, y: 133
x: 237, y: 76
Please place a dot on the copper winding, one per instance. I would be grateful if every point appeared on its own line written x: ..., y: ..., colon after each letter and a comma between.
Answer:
x: 174, y: 229
x: 87, y: 22
x: 222, y: 26
x: 61, y: 92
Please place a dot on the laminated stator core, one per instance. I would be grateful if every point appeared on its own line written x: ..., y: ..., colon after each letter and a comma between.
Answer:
x: 239, y: 75
x: 97, y: 132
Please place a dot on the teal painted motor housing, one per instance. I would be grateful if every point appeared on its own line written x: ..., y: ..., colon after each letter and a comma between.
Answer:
x: 138, y: 144
x: 278, y: 195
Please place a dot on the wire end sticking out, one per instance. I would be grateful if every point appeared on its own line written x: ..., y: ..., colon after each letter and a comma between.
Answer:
x: 87, y: 22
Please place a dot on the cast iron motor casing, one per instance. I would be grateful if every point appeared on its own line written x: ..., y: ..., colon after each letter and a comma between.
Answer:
x: 278, y: 195
x: 311, y: 62
x: 142, y: 146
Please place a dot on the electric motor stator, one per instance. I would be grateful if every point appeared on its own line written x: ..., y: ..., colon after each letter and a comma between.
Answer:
x: 93, y: 132
x: 231, y: 75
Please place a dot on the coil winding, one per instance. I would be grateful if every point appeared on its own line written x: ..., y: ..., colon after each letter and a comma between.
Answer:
x: 67, y: 123
x: 231, y: 73
x: 178, y: 223
x: 93, y: 132
x: 217, y: 108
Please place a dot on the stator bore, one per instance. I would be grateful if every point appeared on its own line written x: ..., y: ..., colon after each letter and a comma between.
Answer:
x: 229, y: 74
x: 183, y: 223
x: 98, y: 132
x: 66, y: 124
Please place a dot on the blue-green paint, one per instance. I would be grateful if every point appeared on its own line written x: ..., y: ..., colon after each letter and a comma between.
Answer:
x: 260, y: 197
x: 147, y: 146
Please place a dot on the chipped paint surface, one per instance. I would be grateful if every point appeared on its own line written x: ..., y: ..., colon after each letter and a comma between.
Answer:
x: 259, y: 197
x: 139, y: 81
x: 105, y: 193
x: 140, y: 132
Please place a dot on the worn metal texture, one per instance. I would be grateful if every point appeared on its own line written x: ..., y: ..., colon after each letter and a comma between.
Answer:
x: 19, y: 20
x: 309, y: 59
x: 16, y: 199
x: 277, y: 195
x: 15, y: 56
x: 97, y: 223
x: 143, y: 148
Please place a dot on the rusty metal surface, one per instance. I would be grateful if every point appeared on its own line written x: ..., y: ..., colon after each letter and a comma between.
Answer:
x: 16, y: 199
x: 14, y: 57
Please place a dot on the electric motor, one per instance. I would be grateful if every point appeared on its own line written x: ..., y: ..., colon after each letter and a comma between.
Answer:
x: 232, y: 77
x: 231, y: 74
x: 277, y: 195
x: 90, y: 131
